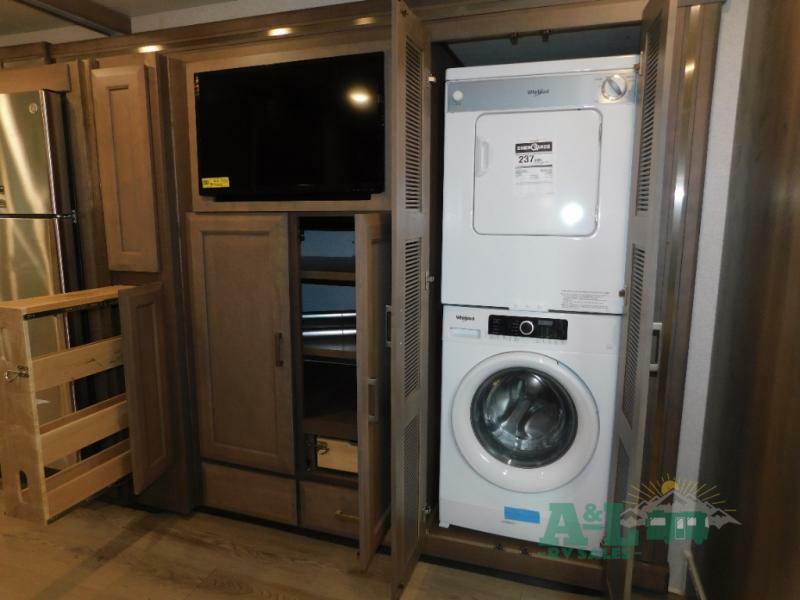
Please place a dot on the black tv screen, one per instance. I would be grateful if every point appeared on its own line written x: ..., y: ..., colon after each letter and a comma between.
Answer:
x: 309, y: 129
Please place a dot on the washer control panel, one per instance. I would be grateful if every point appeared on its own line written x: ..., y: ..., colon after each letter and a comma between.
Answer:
x: 533, y: 327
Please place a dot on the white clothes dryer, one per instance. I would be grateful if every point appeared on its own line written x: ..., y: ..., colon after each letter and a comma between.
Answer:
x: 527, y: 418
x: 537, y: 178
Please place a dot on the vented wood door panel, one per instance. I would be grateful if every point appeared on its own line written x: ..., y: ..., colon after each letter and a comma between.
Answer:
x: 651, y: 183
x: 147, y: 382
x: 409, y: 103
x: 373, y: 274
x: 125, y: 161
x: 241, y: 333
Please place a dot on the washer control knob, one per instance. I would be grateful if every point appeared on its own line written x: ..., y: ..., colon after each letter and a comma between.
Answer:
x: 458, y: 96
x: 614, y: 87
x: 526, y: 327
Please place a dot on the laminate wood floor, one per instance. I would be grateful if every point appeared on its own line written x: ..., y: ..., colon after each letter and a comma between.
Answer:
x: 104, y: 551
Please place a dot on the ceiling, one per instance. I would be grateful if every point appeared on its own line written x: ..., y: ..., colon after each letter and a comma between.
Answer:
x: 19, y: 18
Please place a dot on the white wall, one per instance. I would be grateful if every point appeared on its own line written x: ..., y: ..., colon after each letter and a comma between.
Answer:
x: 207, y: 13
x: 715, y: 200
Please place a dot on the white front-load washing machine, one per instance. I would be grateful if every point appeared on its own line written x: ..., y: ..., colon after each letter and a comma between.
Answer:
x: 527, y: 418
x: 537, y: 177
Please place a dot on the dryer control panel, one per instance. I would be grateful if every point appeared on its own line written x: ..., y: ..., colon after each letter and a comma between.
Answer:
x: 533, y: 327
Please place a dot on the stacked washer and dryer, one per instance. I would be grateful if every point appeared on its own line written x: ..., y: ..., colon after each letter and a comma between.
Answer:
x: 536, y: 192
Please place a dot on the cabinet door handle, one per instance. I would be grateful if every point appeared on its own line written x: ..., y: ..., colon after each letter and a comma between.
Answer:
x: 373, y: 407
x: 655, y: 348
x: 278, y: 349
x: 387, y: 315
x: 340, y: 514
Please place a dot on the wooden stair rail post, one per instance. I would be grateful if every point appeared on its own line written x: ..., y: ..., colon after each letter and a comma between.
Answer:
x: 25, y: 446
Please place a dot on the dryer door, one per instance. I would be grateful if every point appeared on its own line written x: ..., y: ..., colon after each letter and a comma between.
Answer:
x: 525, y: 422
x: 537, y: 173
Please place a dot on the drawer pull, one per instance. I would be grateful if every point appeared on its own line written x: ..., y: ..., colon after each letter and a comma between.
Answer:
x: 340, y: 514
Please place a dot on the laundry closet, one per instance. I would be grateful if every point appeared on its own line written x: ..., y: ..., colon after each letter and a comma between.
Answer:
x: 304, y: 341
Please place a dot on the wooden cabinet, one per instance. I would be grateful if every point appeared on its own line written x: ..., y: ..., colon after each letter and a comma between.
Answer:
x: 122, y: 435
x: 241, y: 336
x: 250, y: 493
x: 329, y: 508
x: 411, y: 340
x: 262, y: 326
x: 146, y: 382
x: 373, y: 274
x: 125, y: 162
x: 342, y: 375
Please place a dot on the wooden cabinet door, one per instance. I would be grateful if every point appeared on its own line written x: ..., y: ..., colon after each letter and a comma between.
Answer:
x: 147, y: 382
x: 241, y: 331
x: 651, y: 186
x: 409, y: 190
x: 125, y: 162
x: 373, y: 274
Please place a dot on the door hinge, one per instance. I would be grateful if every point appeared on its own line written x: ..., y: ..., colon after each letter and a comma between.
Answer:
x: 431, y: 78
x: 427, y: 510
x: 428, y: 280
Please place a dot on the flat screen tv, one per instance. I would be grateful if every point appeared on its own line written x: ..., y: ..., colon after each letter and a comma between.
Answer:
x: 309, y: 129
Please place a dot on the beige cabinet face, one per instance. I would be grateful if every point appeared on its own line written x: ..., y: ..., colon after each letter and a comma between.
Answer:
x: 241, y: 333
x: 122, y: 119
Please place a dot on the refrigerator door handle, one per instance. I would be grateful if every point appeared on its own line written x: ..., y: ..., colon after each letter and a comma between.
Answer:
x: 67, y: 216
x: 70, y: 216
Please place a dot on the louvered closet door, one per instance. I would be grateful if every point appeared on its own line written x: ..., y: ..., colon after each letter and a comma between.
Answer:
x: 651, y: 185
x: 409, y: 130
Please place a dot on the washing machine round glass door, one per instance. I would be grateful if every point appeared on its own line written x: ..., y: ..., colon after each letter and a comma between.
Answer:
x: 525, y: 421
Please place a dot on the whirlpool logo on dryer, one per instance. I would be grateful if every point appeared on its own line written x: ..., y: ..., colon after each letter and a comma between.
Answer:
x: 465, y: 318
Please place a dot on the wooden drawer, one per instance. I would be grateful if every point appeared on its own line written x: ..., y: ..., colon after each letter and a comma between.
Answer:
x: 329, y: 508
x: 339, y: 455
x: 250, y: 493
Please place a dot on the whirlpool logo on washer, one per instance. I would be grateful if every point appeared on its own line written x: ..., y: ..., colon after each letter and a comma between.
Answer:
x: 465, y: 318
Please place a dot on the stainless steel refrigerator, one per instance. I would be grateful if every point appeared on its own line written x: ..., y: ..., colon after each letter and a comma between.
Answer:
x: 35, y: 220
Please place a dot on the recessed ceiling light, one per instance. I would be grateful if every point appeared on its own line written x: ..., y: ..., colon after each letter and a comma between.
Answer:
x: 365, y: 21
x: 277, y: 31
x: 153, y: 48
